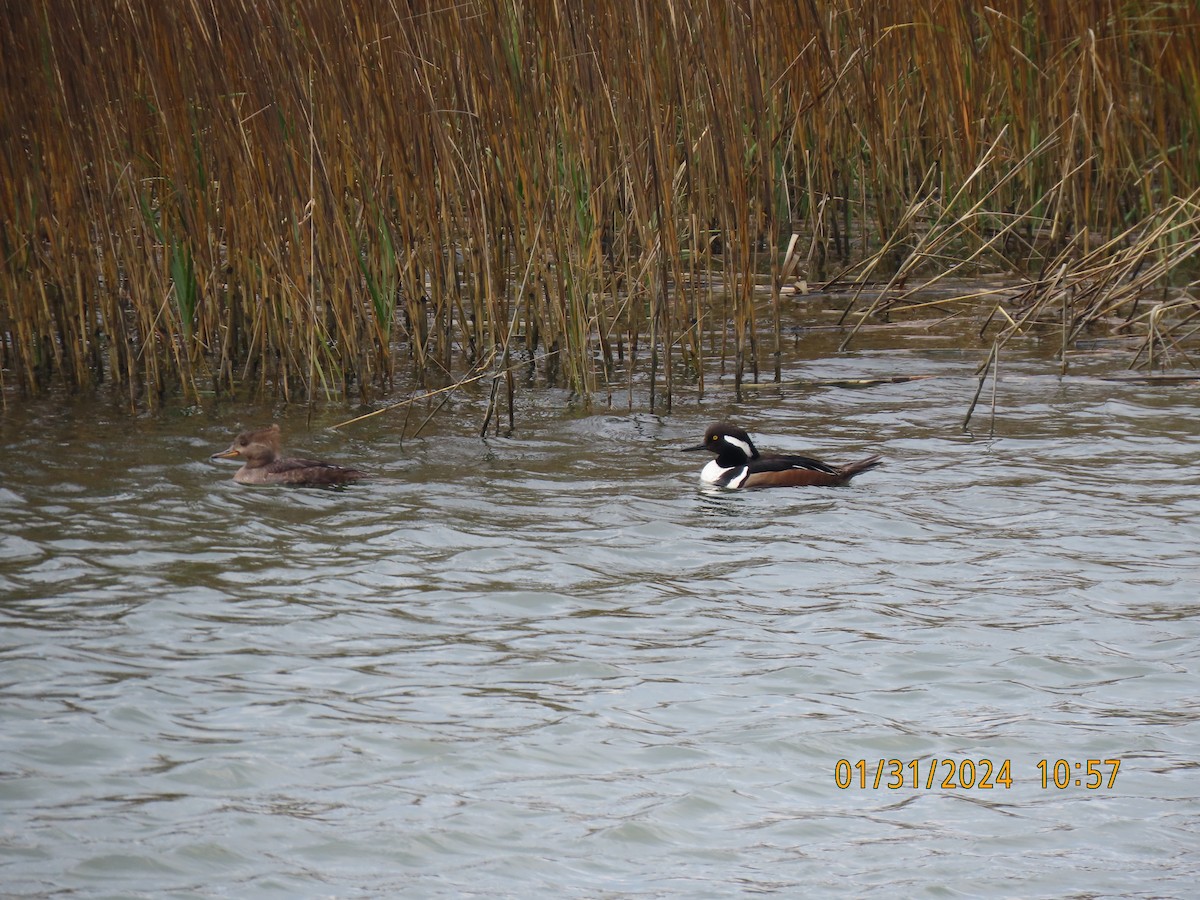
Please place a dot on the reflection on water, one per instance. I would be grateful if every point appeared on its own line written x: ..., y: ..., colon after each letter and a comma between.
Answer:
x: 552, y: 664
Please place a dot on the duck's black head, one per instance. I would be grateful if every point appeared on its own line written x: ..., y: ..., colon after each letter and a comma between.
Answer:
x: 731, y: 444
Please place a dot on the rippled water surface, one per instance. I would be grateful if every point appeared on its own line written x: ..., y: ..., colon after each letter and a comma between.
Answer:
x: 550, y: 665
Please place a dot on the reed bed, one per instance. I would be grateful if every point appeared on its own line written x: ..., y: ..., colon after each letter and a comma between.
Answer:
x: 321, y: 199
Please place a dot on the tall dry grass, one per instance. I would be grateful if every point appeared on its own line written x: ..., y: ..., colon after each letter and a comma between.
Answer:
x: 316, y: 198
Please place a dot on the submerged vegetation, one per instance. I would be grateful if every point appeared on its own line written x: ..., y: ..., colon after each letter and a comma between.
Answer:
x: 319, y: 198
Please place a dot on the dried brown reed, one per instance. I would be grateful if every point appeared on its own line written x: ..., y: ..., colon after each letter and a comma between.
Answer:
x: 296, y: 197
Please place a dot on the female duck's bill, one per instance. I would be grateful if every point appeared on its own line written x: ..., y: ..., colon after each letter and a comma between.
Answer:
x: 740, y: 465
x: 263, y: 463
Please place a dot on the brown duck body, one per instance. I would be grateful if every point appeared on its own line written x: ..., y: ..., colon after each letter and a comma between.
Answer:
x: 740, y: 465
x: 262, y: 463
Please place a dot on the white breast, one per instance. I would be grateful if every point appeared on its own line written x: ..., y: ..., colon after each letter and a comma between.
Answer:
x: 713, y: 473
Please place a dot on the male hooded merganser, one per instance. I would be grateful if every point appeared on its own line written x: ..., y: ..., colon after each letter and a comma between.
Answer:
x: 263, y: 465
x: 740, y: 465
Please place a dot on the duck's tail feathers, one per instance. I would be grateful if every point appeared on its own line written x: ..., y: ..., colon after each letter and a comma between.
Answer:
x: 863, y: 465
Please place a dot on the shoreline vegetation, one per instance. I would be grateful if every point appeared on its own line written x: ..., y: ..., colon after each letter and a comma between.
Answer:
x: 324, y: 199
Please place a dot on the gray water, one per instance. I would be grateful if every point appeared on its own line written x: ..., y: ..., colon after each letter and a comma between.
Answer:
x: 551, y: 665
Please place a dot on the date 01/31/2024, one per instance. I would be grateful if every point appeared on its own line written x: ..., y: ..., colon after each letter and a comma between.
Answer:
x: 970, y: 774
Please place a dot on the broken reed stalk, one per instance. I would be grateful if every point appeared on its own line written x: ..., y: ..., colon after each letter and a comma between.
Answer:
x: 301, y: 199
x: 991, y: 364
x: 1107, y: 284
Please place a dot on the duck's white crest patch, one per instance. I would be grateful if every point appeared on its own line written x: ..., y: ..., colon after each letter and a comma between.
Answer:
x: 739, y: 443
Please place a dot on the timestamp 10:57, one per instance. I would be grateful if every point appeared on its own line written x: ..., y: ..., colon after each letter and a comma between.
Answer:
x: 970, y: 774
x: 1092, y: 774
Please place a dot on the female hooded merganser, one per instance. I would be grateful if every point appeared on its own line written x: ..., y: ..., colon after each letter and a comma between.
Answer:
x: 739, y: 464
x: 263, y: 465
